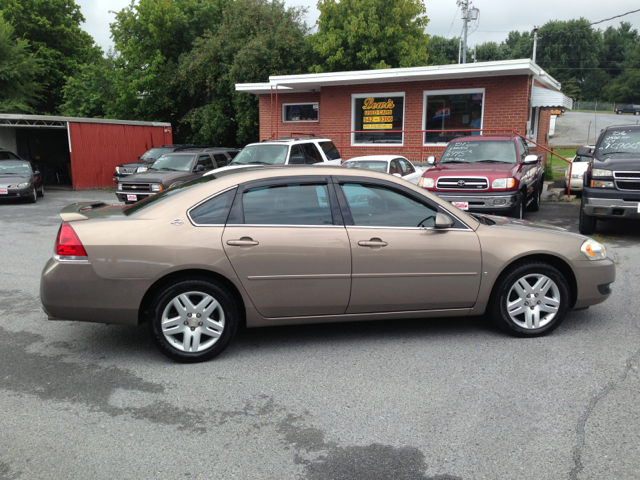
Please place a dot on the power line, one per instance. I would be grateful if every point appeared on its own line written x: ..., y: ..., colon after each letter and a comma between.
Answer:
x: 454, y: 19
x: 617, y: 16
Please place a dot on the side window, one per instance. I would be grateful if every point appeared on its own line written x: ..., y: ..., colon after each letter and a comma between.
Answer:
x: 4, y: 156
x: 214, y: 211
x: 291, y: 204
x: 220, y: 159
x: 313, y: 155
x: 330, y: 150
x: 205, y: 161
x: 406, y: 167
x: 297, y: 155
x: 233, y: 154
x: 394, y: 167
x: 13, y: 156
x: 524, y: 151
x: 375, y: 206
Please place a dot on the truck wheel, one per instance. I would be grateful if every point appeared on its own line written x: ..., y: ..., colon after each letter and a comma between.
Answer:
x: 586, y: 224
x: 518, y: 210
x: 636, y: 113
x: 535, y: 205
x: 618, y: 112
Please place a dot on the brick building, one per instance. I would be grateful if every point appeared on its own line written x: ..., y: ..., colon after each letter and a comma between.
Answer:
x: 410, y: 111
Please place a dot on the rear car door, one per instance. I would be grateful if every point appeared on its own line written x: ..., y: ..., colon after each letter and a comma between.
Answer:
x: 296, y: 155
x: 399, y: 261
x: 287, y: 243
x: 408, y: 172
x: 312, y: 152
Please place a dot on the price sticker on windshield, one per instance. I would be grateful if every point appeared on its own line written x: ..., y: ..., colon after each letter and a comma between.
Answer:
x: 461, y: 205
x: 132, y: 198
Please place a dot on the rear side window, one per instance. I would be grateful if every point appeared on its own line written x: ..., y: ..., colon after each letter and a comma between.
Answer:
x: 220, y: 159
x: 291, y: 204
x: 313, y: 155
x: 214, y: 211
x: 297, y: 155
x: 330, y: 150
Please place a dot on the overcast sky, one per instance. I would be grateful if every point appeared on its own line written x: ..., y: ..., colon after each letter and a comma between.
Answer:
x: 497, y: 17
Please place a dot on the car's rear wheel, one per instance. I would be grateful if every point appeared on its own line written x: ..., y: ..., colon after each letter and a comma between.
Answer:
x: 193, y: 320
x: 619, y: 112
x: 530, y: 299
x: 586, y: 224
x: 636, y: 113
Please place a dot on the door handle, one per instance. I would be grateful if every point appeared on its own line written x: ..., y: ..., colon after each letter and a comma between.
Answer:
x: 374, y: 242
x: 243, y: 242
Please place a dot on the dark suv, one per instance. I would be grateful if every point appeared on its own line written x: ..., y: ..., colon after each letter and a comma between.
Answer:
x: 611, y: 187
x: 171, y: 170
x: 630, y: 108
x: 147, y: 159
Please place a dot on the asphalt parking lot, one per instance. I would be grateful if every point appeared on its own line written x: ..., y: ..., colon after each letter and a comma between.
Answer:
x: 433, y: 399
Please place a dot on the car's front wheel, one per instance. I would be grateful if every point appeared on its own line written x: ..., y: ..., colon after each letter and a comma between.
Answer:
x: 193, y: 320
x: 619, y: 112
x: 518, y: 210
x: 586, y: 224
x: 33, y: 196
x: 530, y: 299
x: 534, y: 206
x: 41, y: 191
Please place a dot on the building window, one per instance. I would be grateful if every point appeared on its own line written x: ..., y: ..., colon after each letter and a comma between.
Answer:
x: 378, y: 118
x: 445, y: 111
x: 300, y: 112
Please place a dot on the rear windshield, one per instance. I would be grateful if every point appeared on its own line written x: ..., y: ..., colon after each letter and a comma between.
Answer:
x: 155, y: 153
x: 175, y: 163
x: 620, y: 140
x: 330, y: 150
x: 377, y: 165
x: 491, y: 151
x: 262, y: 155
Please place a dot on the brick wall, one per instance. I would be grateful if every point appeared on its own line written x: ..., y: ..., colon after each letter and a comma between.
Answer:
x: 506, y: 107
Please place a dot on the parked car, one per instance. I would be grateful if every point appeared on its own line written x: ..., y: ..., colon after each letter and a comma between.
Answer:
x: 19, y: 179
x: 629, y: 108
x: 171, y: 170
x: 579, y: 165
x: 288, y: 151
x: 392, y: 164
x: 611, y: 184
x: 490, y: 174
x: 252, y: 246
x: 147, y: 159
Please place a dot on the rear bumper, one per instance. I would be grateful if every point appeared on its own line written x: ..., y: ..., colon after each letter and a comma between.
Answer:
x: 594, y: 281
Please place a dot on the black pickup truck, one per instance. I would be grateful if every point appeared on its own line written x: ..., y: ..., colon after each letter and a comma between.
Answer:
x: 612, y: 180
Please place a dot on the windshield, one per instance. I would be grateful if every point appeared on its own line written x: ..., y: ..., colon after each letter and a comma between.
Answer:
x: 579, y: 159
x: 493, y: 151
x: 175, y: 163
x: 262, y: 155
x: 377, y: 165
x: 155, y: 153
x: 15, y: 168
x: 620, y: 140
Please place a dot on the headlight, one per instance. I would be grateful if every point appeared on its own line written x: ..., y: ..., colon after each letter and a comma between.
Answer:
x: 119, y: 186
x: 601, y: 184
x: 426, y: 182
x: 156, y: 187
x: 142, y: 169
x: 503, y: 183
x: 576, y: 175
x: 22, y: 185
x: 600, y: 172
x: 593, y: 250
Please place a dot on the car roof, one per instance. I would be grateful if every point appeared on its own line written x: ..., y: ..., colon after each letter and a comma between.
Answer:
x: 291, y: 141
x: 387, y: 158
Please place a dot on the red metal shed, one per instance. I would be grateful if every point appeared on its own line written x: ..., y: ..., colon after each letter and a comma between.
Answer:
x: 80, y: 151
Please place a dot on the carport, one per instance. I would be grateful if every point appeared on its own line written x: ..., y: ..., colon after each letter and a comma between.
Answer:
x: 80, y: 152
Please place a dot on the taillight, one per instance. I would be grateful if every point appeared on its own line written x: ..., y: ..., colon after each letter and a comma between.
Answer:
x: 67, y: 243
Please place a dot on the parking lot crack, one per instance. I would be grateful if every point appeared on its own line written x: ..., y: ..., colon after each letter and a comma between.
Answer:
x: 584, y: 418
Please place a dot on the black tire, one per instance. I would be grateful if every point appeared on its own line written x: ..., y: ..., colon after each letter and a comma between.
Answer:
x: 196, y: 289
x: 636, y: 113
x: 618, y: 112
x: 33, y: 198
x: 504, y: 292
x: 518, y: 210
x: 41, y: 191
x: 535, y: 205
x: 586, y: 224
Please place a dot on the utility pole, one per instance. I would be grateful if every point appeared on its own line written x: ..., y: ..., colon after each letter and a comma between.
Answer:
x: 459, y: 48
x: 468, y: 14
x: 535, y: 43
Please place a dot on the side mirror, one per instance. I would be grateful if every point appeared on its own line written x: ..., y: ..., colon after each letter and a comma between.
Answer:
x: 443, y: 221
x: 397, y: 175
x: 584, y: 152
x: 199, y: 168
x: 431, y: 160
x: 529, y: 159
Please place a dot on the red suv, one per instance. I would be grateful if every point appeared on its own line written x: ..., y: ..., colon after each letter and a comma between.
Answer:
x: 487, y: 174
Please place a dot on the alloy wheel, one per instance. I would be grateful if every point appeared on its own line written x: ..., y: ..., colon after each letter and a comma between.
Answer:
x: 533, y: 301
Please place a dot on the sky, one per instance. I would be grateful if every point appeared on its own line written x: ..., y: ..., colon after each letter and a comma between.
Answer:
x: 497, y: 17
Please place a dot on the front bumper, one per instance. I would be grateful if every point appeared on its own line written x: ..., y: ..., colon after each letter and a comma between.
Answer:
x: 483, y: 203
x: 576, y: 184
x: 594, y: 279
x: 610, y: 203
x: 24, y: 192
x: 127, y: 196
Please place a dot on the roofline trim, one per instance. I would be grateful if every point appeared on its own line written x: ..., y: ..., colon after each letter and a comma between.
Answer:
x: 14, y: 120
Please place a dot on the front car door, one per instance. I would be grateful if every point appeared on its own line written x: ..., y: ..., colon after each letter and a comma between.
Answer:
x: 288, y: 245
x: 529, y: 172
x: 399, y: 261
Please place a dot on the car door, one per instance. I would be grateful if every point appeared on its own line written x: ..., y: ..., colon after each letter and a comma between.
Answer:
x: 312, y: 153
x: 296, y: 155
x: 408, y: 172
x: 288, y: 245
x: 399, y: 261
x: 529, y: 172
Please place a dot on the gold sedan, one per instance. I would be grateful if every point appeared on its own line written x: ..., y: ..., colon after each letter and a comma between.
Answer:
x: 293, y: 245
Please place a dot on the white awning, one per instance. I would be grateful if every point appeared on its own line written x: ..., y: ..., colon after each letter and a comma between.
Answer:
x: 543, y: 97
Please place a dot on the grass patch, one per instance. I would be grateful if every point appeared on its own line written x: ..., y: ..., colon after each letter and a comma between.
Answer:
x: 597, y: 111
x: 599, y: 238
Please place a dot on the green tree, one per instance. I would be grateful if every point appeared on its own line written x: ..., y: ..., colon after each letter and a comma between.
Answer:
x: 52, y: 28
x: 618, y: 42
x: 365, y: 34
x: 257, y: 38
x: 92, y: 91
x: 626, y: 87
x: 518, y: 45
x: 489, y: 51
x: 18, y: 67
x: 442, y: 51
